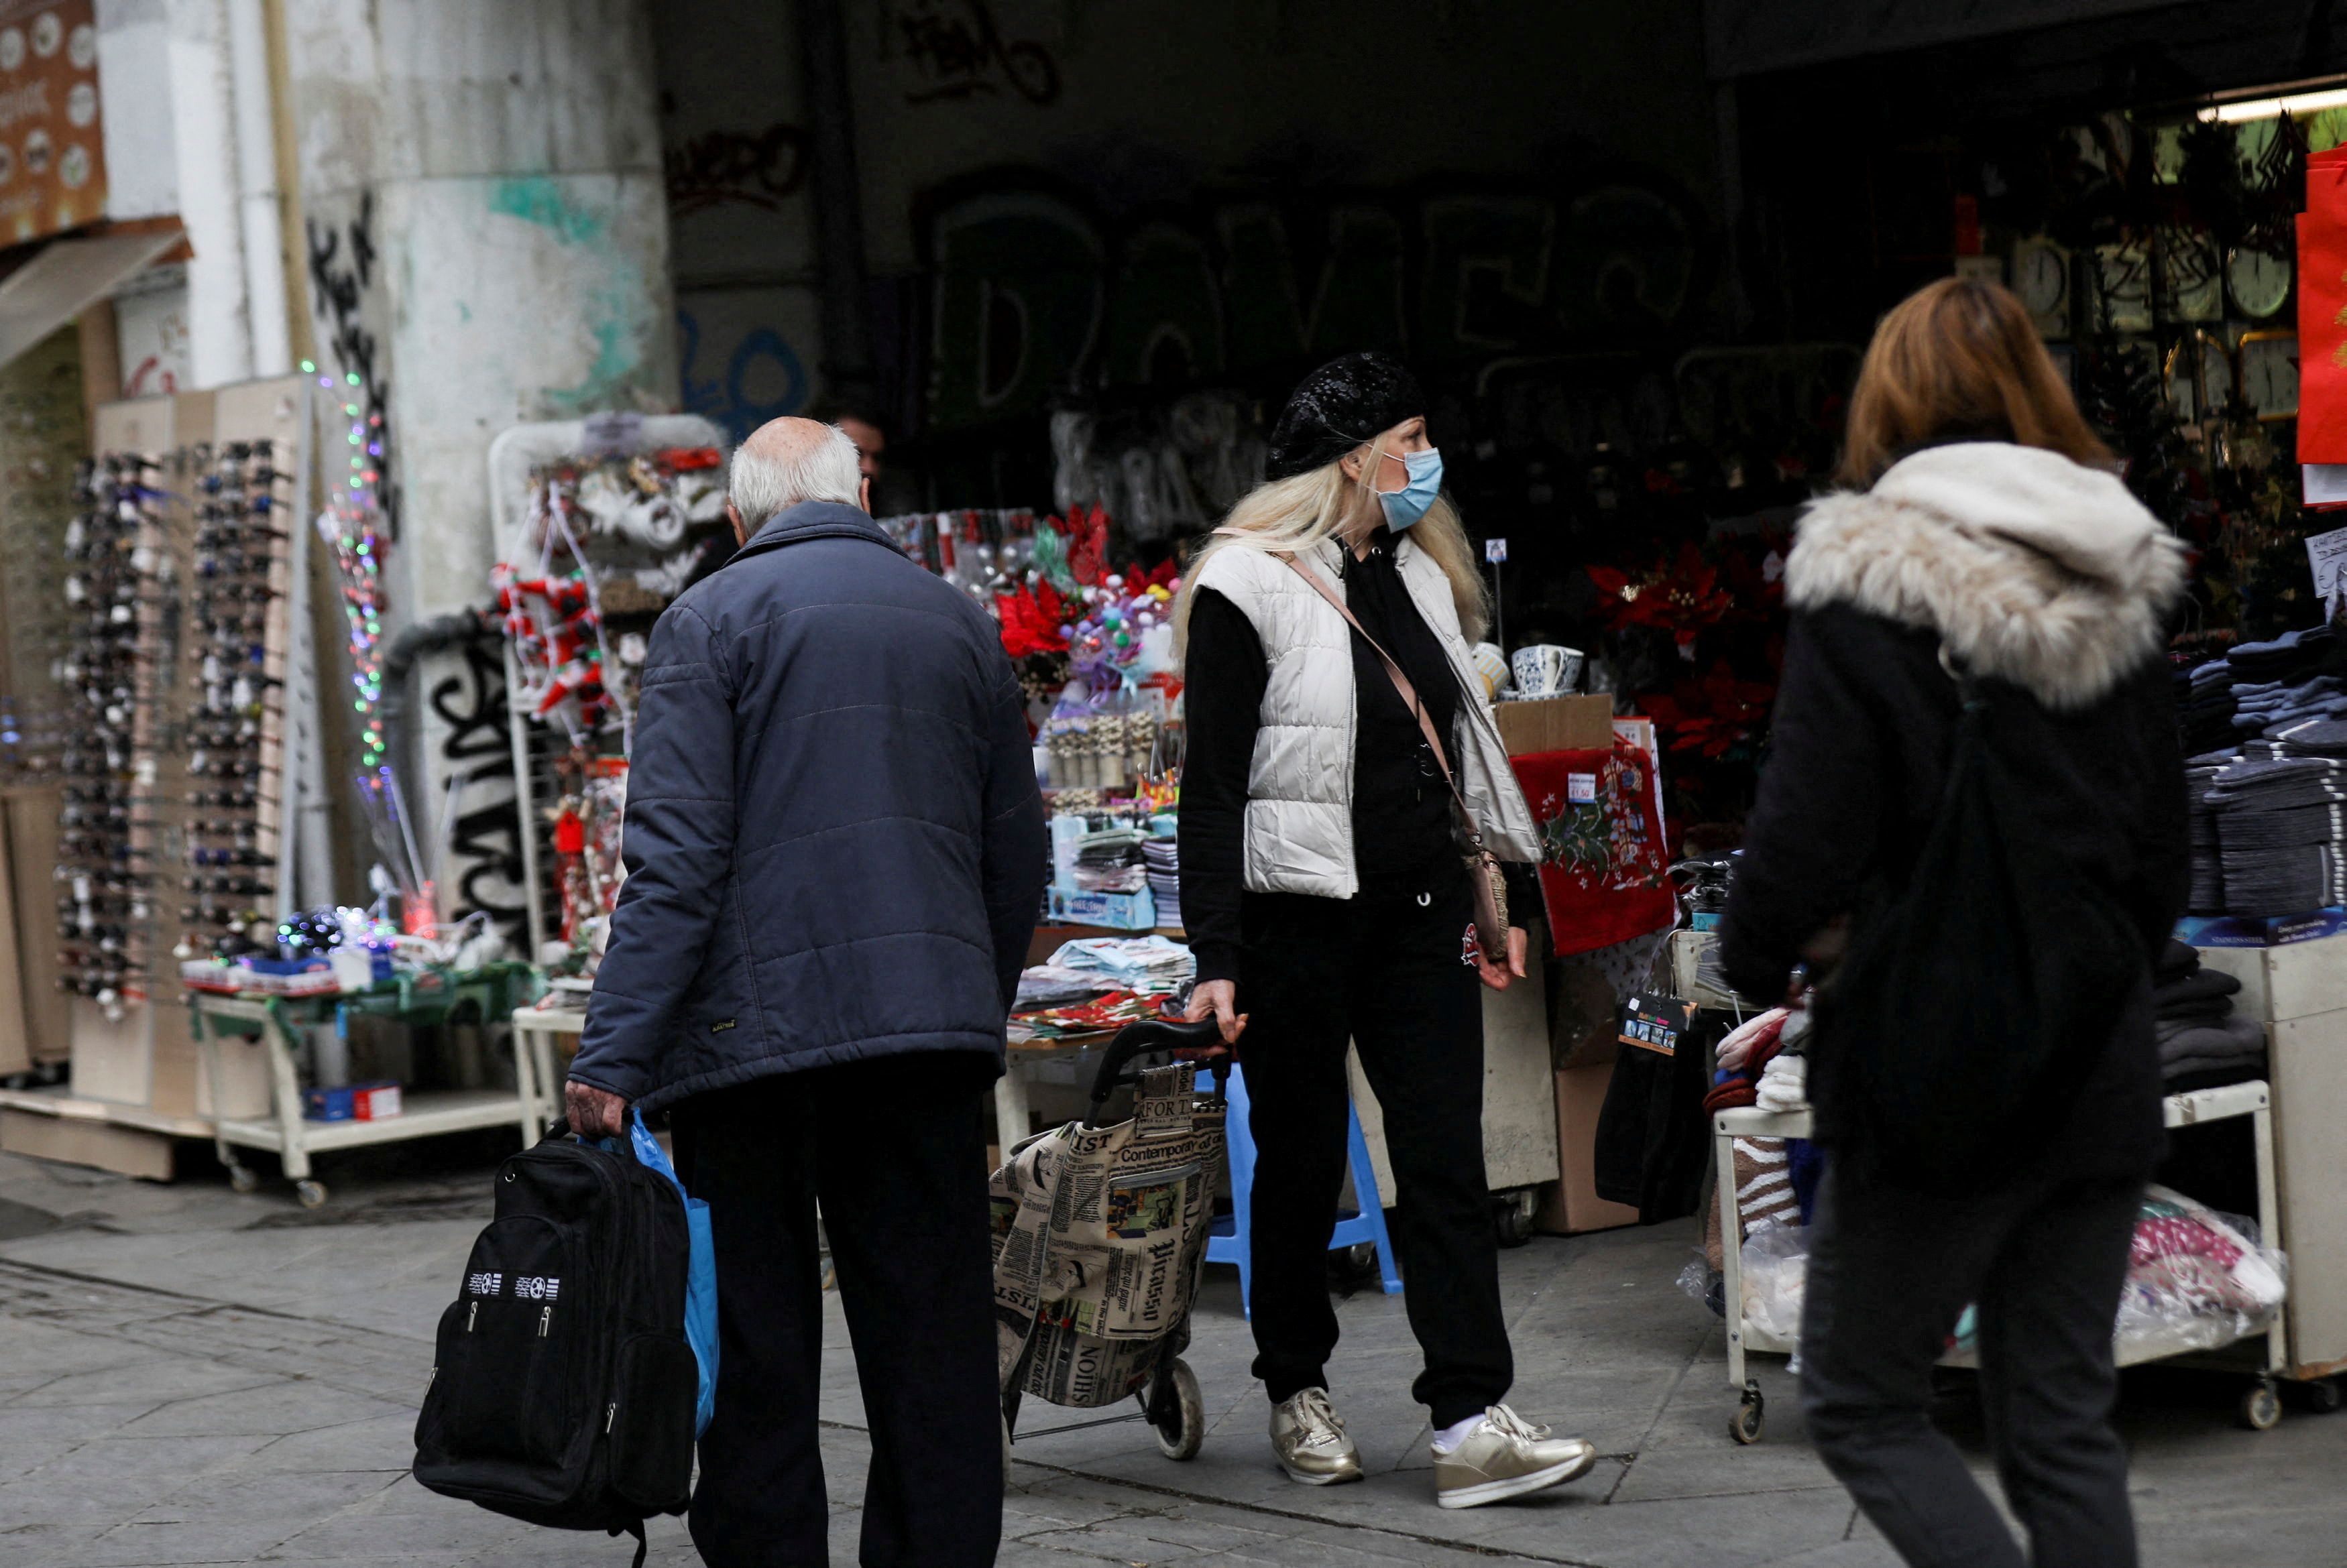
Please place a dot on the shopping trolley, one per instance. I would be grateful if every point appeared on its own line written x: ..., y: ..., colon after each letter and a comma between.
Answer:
x: 1099, y: 1238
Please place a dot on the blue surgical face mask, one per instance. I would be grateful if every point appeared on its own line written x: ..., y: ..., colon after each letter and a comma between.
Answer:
x: 1407, y: 504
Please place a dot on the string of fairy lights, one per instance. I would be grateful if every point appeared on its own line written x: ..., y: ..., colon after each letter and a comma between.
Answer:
x: 351, y: 526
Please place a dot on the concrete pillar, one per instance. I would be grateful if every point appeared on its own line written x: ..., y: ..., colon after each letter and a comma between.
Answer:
x: 486, y: 239
x: 203, y: 134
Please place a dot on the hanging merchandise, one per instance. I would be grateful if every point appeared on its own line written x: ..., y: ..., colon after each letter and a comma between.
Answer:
x: 618, y: 537
x: 104, y: 844
x: 1602, y: 862
x: 594, y: 545
x: 236, y: 729
x: 1164, y: 473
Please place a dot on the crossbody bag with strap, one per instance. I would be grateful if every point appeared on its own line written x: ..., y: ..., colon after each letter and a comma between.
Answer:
x: 1484, y: 874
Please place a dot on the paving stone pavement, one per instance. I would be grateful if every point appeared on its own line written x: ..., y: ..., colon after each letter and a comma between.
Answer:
x: 189, y: 1376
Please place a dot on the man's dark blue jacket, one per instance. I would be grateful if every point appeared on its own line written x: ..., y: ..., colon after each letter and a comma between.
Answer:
x: 835, y: 845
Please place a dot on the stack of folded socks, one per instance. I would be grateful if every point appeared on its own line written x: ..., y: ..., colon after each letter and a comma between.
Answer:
x: 2203, y: 1042
x: 2207, y: 895
x: 2281, y: 835
x: 2298, y: 677
x: 2204, y: 704
x: 2313, y: 738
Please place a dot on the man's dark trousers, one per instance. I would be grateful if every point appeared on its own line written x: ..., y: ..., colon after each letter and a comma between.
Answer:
x: 893, y: 1149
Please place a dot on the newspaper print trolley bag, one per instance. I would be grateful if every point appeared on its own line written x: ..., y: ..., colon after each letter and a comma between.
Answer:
x: 1100, y: 1236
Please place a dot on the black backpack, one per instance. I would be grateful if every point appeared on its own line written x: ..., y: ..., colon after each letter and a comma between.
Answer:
x: 562, y: 1388
x: 1975, y: 1002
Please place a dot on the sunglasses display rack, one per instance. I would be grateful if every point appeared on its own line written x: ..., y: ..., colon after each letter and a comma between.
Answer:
x: 187, y: 705
x: 235, y: 728
x: 121, y: 576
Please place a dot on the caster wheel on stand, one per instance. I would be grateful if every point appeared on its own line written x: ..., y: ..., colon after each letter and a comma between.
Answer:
x: 241, y: 1179
x: 2321, y: 1397
x: 1511, y: 1218
x: 2261, y: 1406
x: 1751, y: 1415
x: 1178, y: 1411
x: 309, y: 1193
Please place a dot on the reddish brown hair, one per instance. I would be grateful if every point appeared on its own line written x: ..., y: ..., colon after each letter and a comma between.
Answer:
x: 1959, y: 357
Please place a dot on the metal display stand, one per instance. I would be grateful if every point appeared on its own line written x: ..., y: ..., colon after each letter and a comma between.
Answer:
x: 512, y: 457
x: 2261, y: 1405
x: 273, y: 1024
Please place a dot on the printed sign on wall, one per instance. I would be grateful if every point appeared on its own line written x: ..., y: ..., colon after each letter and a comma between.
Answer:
x: 52, y: 145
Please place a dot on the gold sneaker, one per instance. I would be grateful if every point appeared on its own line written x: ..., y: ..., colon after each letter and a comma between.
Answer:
x: 1308, y: 1436
x: 1507, y: 1456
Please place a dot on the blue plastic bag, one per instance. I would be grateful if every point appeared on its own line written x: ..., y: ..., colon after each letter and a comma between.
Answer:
x: 701, y: 1274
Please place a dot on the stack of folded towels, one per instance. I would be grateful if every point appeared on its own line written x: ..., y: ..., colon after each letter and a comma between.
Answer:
x: 2203, y: 1042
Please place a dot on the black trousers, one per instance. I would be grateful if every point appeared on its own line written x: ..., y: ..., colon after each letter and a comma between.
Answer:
x: 1385, y: 971
x: 893, y: 1151
x: 1890, y: 1273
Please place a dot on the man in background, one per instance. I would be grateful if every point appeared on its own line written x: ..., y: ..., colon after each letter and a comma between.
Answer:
x: 835, y: 847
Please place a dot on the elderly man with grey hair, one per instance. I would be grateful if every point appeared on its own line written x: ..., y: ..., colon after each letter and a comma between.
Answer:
x: 835, y: 849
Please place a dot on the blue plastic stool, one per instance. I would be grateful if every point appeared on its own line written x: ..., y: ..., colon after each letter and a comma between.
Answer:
x: 1228, y: 1241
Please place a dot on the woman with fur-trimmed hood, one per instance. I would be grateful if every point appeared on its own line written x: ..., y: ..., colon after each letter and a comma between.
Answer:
x: 1983, y: 528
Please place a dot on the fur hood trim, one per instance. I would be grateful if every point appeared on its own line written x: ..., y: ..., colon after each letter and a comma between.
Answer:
x: 2033, y: 569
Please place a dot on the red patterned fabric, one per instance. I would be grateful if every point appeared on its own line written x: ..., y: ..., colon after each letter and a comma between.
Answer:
x: 1603, y: 862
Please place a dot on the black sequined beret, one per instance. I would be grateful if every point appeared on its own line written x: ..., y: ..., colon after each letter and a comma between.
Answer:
x: 1338, y: 406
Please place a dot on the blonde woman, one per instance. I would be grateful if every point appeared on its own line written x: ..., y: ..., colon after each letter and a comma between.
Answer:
x: 1328, y: 902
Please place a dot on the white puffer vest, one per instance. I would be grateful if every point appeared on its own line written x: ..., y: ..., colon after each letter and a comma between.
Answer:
x: 1298, y: 830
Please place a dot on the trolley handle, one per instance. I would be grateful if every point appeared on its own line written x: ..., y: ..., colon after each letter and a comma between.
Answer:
x: 1151, y: 1037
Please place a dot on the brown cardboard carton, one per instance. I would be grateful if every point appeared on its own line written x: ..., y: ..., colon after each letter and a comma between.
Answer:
x: 1555, y: 724
x: 1572, y: 1204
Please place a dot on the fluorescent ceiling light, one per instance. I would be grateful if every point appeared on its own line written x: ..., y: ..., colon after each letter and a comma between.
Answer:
x: 2295, y: 104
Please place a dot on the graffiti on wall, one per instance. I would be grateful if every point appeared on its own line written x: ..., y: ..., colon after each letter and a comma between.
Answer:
x: 740, y: 365
x: 342, y: 259
x: 484, y: 841
x: 1031, y: 294
x: 760, y: 169
x: 957, y: 49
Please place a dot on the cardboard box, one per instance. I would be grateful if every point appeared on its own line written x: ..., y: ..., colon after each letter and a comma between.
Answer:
x: 2309, y: 1072
x: 1555, y: 724
x: 2299, y: 979
x: 1573, y: 1205
x: 1117, y: 911
x: 2273, y: 931
x: 126, y: 1151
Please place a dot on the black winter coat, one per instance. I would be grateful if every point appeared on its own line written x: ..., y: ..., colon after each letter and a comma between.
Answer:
x: 2051, y: 584
x: 833, y: 840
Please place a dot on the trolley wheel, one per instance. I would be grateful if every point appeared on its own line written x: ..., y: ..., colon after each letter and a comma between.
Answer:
x: 240, y: 1178
x: 2262, y: 1406
x: 1751, y: 1415
x: 2321, y: 1396
x: 1178, y: 1411
x: 1361, y: 1258
x: 1511, y: 1218
x: 309, y: 1193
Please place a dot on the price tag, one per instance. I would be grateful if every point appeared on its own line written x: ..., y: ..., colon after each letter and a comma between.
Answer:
x: 1655, y: 1022
x: 1495, y: 551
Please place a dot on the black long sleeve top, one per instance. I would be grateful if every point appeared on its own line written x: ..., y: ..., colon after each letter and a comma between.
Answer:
x: 1401, y: 807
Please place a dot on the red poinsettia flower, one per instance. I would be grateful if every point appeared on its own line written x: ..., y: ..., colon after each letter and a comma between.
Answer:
x: 1032, y: 618
x: 1680, y: 595
x: 1711, y: 715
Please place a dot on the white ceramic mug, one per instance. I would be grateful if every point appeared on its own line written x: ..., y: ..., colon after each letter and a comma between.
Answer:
x: 1545, y: 669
